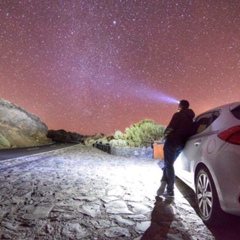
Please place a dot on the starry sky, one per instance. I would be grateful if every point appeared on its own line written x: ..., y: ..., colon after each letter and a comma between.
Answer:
x: 91, y: 66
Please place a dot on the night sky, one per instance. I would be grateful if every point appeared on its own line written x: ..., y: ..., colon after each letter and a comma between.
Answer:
x: 99, y: 66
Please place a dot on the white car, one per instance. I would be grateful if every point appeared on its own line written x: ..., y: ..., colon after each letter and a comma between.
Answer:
x: 210, y: 163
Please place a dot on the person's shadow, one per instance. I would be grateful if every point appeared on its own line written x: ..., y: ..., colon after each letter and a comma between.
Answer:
x: 161, y: 219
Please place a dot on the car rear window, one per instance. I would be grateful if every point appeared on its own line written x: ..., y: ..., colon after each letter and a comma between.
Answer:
x: 236, y: 112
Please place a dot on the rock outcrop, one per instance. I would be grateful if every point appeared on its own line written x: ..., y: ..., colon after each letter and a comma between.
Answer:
x: 63, y: 136
x: 19, y: 128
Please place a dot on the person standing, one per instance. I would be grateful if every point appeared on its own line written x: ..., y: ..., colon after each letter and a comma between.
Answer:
x: 175, y: 135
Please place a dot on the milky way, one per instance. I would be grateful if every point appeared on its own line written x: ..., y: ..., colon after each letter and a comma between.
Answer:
x: 99, y: 66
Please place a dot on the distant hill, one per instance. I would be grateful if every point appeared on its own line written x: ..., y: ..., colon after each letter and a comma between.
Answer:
x: 19, y: 128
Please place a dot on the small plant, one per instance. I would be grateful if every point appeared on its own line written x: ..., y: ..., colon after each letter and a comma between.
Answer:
x: 118, y: 143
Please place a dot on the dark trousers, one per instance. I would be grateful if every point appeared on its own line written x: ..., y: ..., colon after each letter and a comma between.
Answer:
x: 171, y: 151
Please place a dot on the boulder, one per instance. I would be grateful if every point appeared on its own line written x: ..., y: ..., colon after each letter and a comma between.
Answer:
x: 19, y: 128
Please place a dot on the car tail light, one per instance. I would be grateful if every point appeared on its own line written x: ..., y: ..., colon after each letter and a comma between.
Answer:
x: 231, y: 135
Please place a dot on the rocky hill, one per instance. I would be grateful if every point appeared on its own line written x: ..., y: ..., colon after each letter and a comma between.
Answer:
x: 19, y: 128
x: 62, y: 135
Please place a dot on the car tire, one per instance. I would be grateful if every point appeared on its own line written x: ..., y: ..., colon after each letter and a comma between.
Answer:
x: 207, y: 199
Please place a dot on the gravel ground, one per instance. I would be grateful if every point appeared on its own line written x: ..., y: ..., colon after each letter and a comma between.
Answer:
x: 83, y: 193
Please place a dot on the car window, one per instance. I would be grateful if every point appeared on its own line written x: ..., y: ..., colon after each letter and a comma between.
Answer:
x: 236, y: 112
x: 215, y: 115
x: 204, y: 120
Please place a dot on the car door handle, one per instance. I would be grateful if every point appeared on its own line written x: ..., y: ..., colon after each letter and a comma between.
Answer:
x: 197, y: 143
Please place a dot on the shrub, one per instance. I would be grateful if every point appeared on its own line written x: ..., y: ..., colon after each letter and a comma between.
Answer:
x: 141, y: 133
x: 118, y: 143
x: 136, y: 135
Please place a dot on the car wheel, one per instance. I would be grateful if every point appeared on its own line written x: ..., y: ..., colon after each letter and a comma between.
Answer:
x: 207, y: 199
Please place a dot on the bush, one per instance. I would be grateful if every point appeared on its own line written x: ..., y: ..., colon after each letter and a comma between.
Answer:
x: 141, y: 133
x: 118, y: 143
x: 136, y: 135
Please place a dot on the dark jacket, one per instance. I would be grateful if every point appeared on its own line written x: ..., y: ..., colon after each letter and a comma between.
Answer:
x: 180, y: 126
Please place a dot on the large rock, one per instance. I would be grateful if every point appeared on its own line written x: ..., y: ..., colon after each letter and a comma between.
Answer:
x: 63, y: 136
x: 19, y: 128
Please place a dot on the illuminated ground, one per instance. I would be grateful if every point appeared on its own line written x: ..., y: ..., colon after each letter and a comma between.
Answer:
x: 83, y: 193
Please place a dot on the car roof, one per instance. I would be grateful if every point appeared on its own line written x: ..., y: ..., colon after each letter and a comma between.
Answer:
x: 229, y: 106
